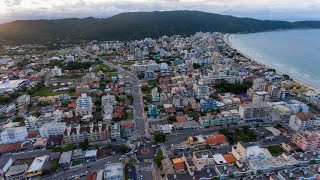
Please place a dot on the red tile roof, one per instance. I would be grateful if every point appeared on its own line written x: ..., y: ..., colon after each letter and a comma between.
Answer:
x: 216, y: 139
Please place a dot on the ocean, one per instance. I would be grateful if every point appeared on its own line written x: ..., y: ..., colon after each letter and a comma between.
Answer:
x: 294, y: 52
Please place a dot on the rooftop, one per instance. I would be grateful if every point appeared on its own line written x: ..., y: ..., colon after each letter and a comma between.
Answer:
x: 13, y: 170
x: 203, y: 154
x: 65, y: 157
x: 113, y: 169
x: 37, y: 163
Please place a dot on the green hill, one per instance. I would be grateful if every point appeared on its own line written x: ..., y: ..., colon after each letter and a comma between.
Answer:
x: 136, y: 25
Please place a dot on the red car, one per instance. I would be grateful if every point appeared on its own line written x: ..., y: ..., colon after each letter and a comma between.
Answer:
x: 88, y: 167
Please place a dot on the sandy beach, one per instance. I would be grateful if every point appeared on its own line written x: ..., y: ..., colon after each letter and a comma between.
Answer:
x: 278, y: 71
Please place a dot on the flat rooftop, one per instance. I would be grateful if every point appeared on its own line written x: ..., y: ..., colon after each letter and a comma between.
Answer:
x: 113, y: 169
x: 203, y: 154
x: 13, y: 170
x: 37, y: 163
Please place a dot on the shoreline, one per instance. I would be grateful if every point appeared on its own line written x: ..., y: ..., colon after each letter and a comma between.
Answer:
x: 278, y: 71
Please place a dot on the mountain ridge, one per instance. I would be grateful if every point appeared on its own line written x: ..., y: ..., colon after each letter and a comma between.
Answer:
x: 137, y: 25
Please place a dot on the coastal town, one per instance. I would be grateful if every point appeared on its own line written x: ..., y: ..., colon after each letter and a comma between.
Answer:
x: 175, y: 107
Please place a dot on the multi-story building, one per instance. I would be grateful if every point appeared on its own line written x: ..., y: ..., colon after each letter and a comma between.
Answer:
x: 113, y: 171
x: 37, y: 166
x: 243, y: 153
x: 108, y: 99
x: 49, y: 117
x: 201, y: 90
x: 223, y: 118
x: 297, y: 106
x: 208, y: 104
x: 56, y: 71
x: 70, y: 58
x: 23, y: 101
x: 304, y: 121
x: 31, y: 122
x: 263, y: 95
x: 202, y: 159
x: 14, y: 134
x: 52, y: 129
x: 94, y: 133
x: 196, y: 141
x: 306, y: 140
x: 152, y: 66
x: 84, y: 105
x: 107, y: 109
x: 115, y: 132
x: 16, y: 172
x: 282, y: 111
x: 255, y: 111
x: 155, y: 95
x: 150, y: 75
x: 82, y: 88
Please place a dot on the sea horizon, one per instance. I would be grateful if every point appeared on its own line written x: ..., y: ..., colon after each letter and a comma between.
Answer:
x: 293, y: 52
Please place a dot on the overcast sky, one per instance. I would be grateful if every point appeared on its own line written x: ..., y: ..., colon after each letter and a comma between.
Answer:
x: 263, y: 9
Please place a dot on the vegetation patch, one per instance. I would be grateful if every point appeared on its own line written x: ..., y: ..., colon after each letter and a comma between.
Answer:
x: 76, y: 162
x: 243, y: 133
x: 44, y: 92
x: 275, y: 150
x: 153, y: 82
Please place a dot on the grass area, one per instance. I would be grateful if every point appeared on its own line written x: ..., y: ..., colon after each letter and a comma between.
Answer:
x: 275, y: 150
x: 48, y: 92
x: 130, y: 116
x: 77, y: 76
x: 110, y: 74
x: 146, y: 89
x: 44, y: 92
x: 153, y: 82
x: 244, y: 134
x: 77, y: 162
x: 105, y: 68
x: 132, y: 160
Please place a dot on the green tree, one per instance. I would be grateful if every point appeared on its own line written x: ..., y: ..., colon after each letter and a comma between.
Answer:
x: 172, y: 118
x: 54, y: 167
x: 196, y: 65
x: 158, y: 158
x: 122, y: 149
x: 159, y: 137
x: 68, y: 147
x: 18, y: 119
x: 141, y: 75
x: 84, y: 145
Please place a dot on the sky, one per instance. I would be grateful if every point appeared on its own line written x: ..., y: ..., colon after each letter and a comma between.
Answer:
x: 290, y: 10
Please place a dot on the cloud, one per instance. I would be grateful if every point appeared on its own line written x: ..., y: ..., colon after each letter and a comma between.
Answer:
x: 262, y: 9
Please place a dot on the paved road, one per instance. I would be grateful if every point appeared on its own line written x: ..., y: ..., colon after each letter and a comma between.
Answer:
x: 180, y: 135
x: 138, y: 106
x: 89, y: 167
x: 23, y: 154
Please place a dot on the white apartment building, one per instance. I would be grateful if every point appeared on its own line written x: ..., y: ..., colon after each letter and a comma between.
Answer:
x: 201, y: 89
x: 84, y: 105
x: 155, y: 95
x: 115, y: 132
x: 70, y: 58
x: 304, y: 121
x: 108, y: 99
x: 152, y: 66
x: 255, y: 111
x: 56, y: 71
x: 52, y: 129
x: 94, y: 133
x: 14, y: 134
x: 23, y: 101
x: 108, y: 109
x: 31, y: 122
x: 113, y: 171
